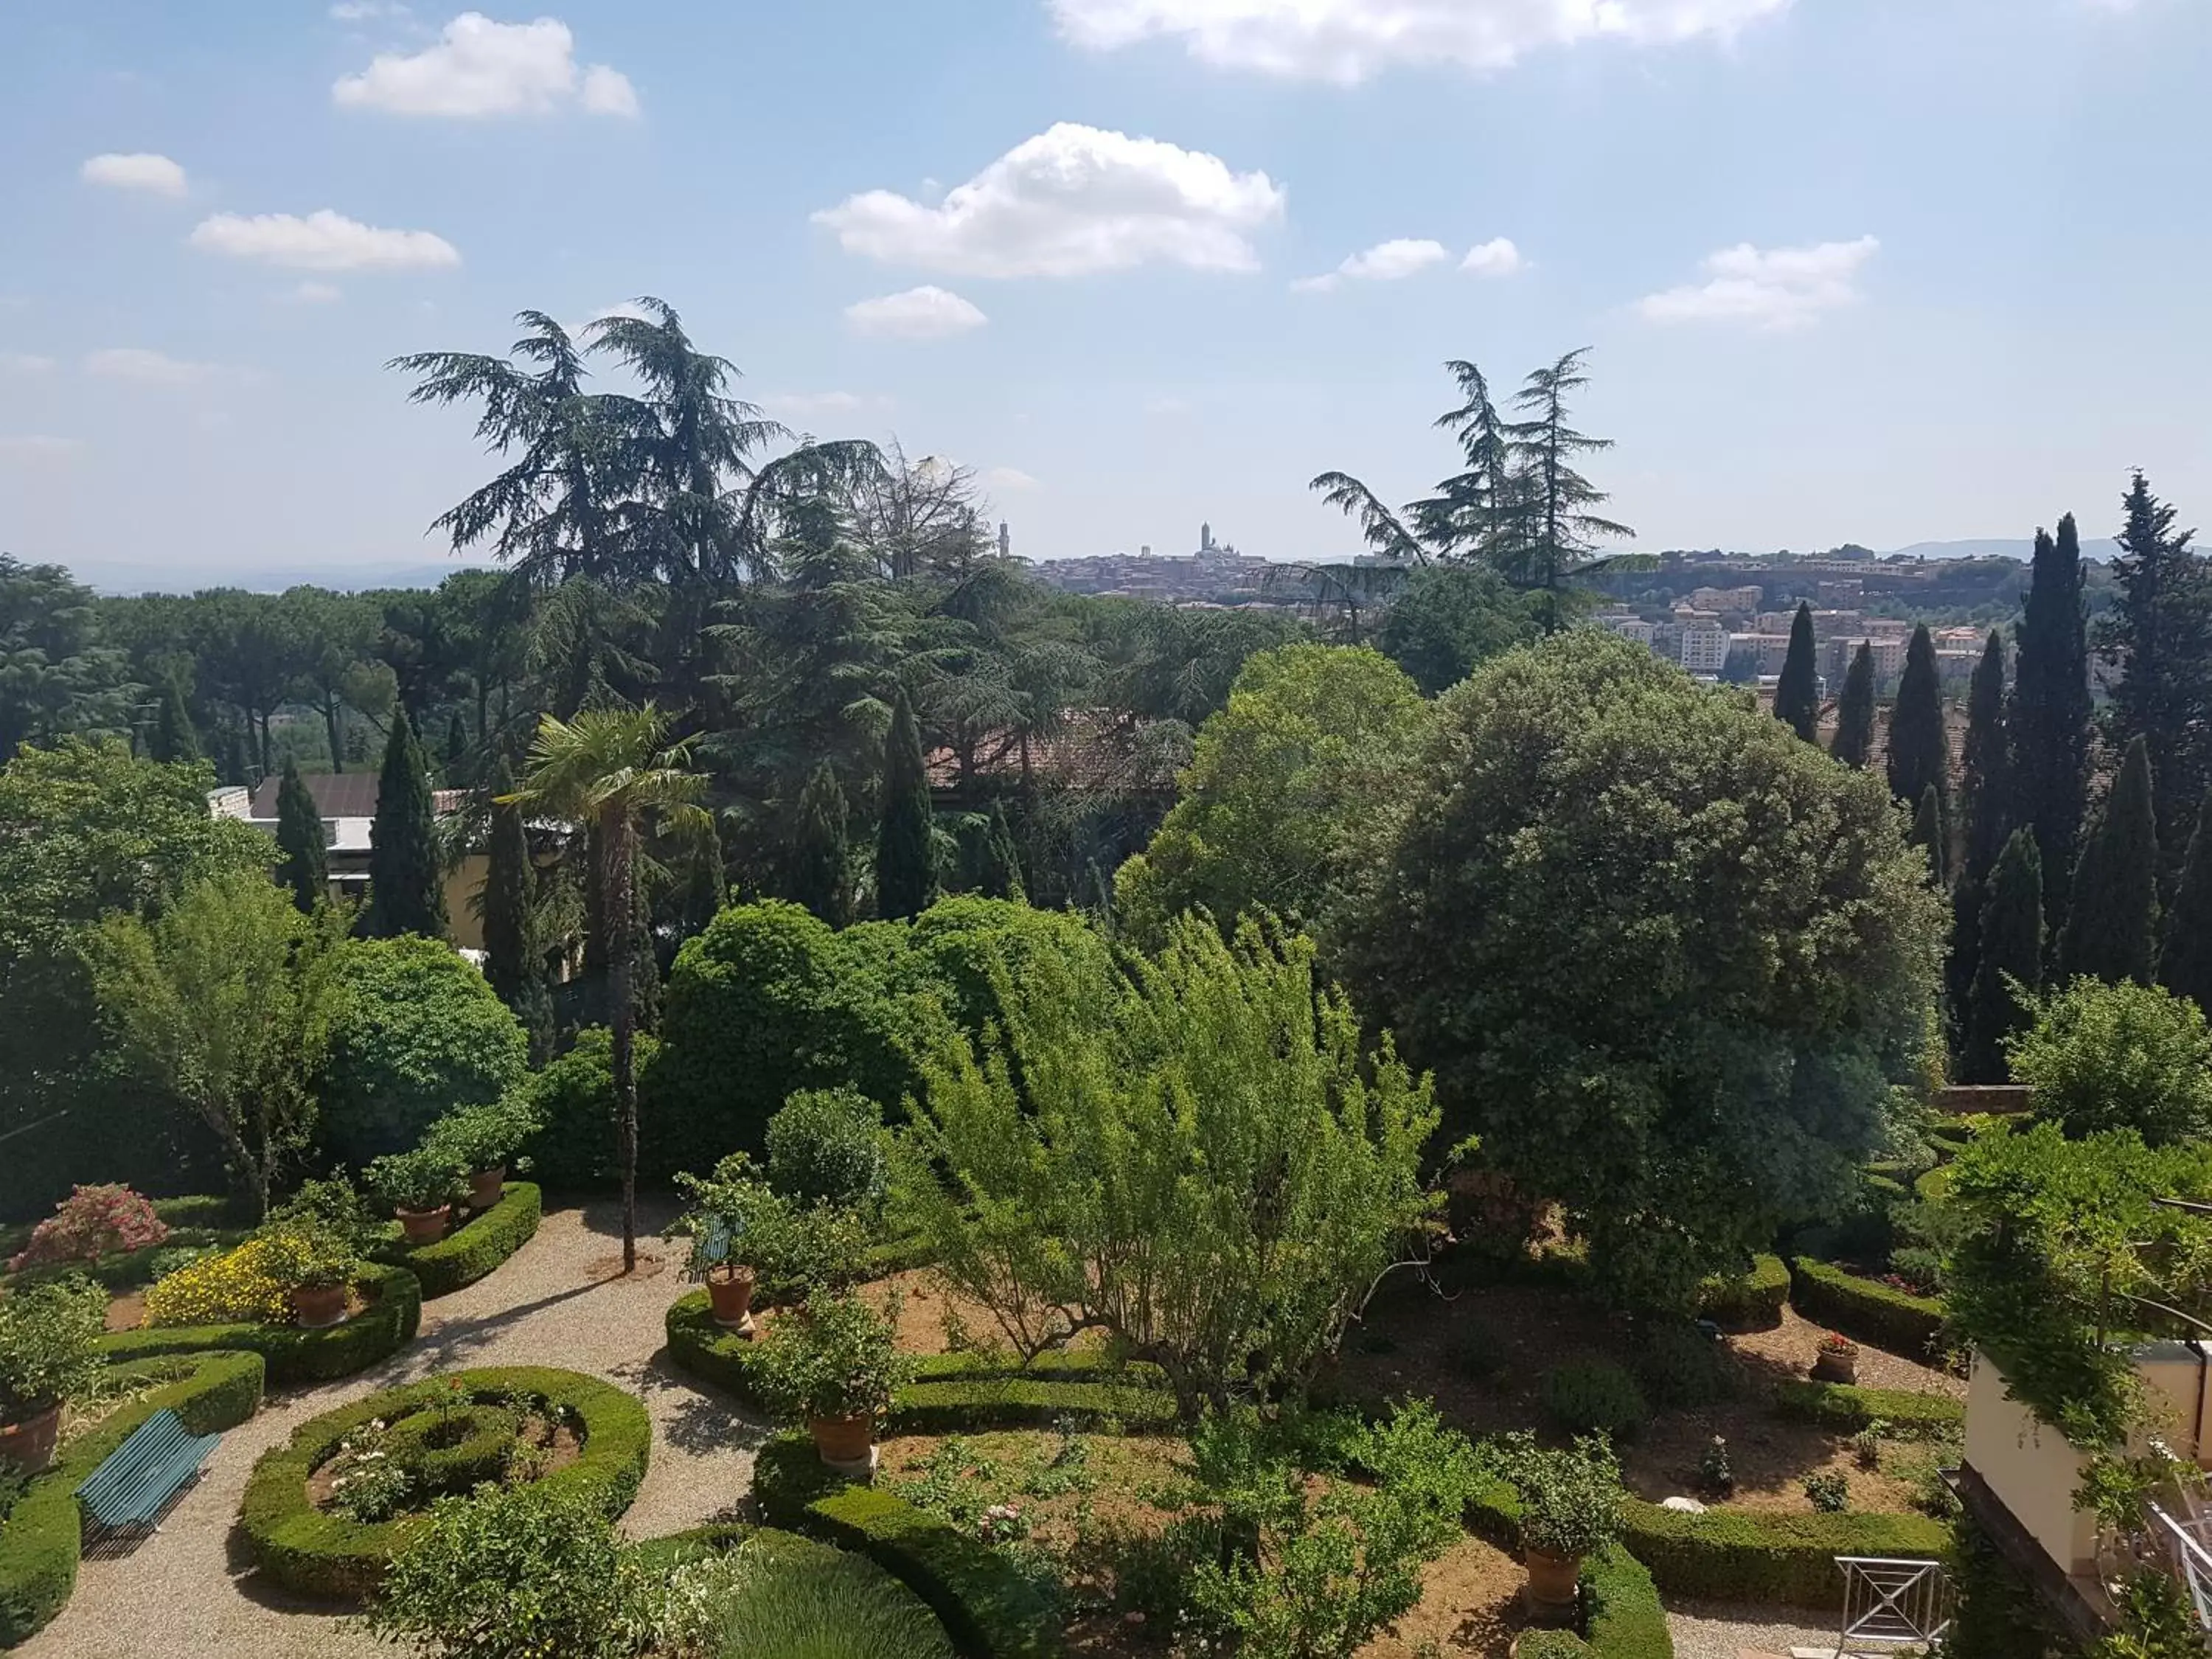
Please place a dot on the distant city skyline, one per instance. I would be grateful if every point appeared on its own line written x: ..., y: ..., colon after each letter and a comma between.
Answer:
x: 1882, y: 270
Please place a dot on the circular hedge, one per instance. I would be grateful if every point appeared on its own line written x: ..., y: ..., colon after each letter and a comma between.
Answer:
x: 326, y: 1553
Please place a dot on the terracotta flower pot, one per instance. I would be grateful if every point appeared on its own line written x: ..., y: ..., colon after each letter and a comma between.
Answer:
x: 29, y: 1444
x: 731, y: 1291
x: 485, y: 1187
x: 1836, y: 1368
x: 425, y: 1226
x: 318, y: 1305
x: 1554, y: 1581
x: 844, y: 1443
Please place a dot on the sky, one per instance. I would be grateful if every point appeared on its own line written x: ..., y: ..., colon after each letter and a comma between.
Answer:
x: 1873, y: 270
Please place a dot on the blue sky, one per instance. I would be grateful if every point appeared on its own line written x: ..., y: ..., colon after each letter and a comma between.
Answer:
x: 1882, y: 271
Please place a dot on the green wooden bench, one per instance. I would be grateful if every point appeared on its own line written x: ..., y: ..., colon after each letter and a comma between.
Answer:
x: 138, y: 1481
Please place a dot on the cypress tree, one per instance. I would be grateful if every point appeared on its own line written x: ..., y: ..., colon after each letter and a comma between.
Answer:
x: 1931, y: 833
x: 406, y: 890
x: 1000, y: 871
x: 1919, y: 750
x: 509, y: 890
x: 2185, y: 970
x: 1984, y: 801
x: 1797, y: 694
x: 822, y: 878
x: 906, y: 845
x: 1854, y: 739
x: 2011, y: 951
x: 2160, y: 627
x: 457, y: 746
x: 305, y: 867
x: 2048, y: 723
x: 705, y: 884
x: 2112, y: 927
x: 174, y: 737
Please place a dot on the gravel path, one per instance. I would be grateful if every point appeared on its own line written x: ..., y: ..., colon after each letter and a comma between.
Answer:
x: 1704, y: 1630
x: 183, y: 1593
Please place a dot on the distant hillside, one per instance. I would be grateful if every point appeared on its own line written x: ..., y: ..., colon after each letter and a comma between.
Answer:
x: 121, y: 577
x: 2098, y: 548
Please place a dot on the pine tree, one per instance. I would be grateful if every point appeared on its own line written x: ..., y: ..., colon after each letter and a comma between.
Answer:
x: 1984, y: 801
x: 1001, y: 873
x: 1854, y: 739
x: 1931, y: 832
x: 822, y: 878
x: 305, y: 867
x: 174, y: 738
x: 906, y: 846
x: 2011, y: 933
x: 1797, y: 693
x: 2160, y: 627
x: 2048, y: 722
x: 2112, y: 927
x: 406, y: 890
x: 1919, y: 748
x: 2185, y: 970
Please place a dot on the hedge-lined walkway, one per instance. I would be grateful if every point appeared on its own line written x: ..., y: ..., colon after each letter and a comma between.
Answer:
x: 181, y: 1594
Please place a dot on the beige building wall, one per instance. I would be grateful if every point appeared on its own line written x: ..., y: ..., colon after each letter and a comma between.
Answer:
x: 463, y: 925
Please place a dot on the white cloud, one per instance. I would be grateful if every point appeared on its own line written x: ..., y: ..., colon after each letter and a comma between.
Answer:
x: 480, y: 68
x: 1351, y: 40
x: 1768, y: 288
x: 1496, y: 258
x: 1386, y: 262
x: 143, y: 368
x: 1010, y: 481
x: 37, y: 447
x: 1072, y: 200
x: 316, y: 294
x: 921, y: 313
x: 157, y: 175
x: 24, y: 363
x: 801, y: 405
x: 323, y: 240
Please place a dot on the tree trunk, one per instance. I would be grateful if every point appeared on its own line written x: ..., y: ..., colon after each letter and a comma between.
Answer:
x: 615, y: 887
x: 334, y: 722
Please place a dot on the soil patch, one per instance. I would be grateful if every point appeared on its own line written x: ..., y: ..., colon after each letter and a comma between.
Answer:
x: 126, y: 1312
x: 602, y: 1268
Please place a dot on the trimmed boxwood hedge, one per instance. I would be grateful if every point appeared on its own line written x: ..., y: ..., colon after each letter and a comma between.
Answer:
x: 1847, y: 1409
x: 1745, y: 1555
x: 991, y: 1611
x: 1755, y: 1300
x: 326, y: 1554
x: 953, y: 1393
x: 1866, y: 1309
x: 1622, y: 1614
x: 380, y: 1330
x: 477, y: 1246
x: 40, y: 1545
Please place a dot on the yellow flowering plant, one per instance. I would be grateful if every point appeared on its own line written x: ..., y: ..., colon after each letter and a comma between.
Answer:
x: 242, y: 1286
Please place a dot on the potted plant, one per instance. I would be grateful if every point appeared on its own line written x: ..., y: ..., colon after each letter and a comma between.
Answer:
x: 484, y: 1141
x: 835, y: 1367
x: 47, y: 1358
x: 420, y: 1187
x: 747, y: 1238
x: 1836, y: 1360
x: 1569, y: 1508
x: 316, y: 1265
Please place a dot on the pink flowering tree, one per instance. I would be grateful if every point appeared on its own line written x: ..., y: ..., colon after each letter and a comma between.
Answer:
x: 90, y: 1223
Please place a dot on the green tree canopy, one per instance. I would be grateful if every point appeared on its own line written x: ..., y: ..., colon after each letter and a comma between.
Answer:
x: 416, y: 1032
x: 1447, y: 619
x: 1854, y: 740
x: 2160, y: 627
x: 2048, y: 723
x: 2125, y: 1056
x: 2185, y: 968
x: 305, y: 867
x: 1797, y: 693
x: 906, y: 847
x: 1202, y: 1161
x: 2010, y: 966
x: 1664, y: 956
x: 1919, y: 750
x: 1314, y: 737
x: 406, y: 888
x: 2112, y: 928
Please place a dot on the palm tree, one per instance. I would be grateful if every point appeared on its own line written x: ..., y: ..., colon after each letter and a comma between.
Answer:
x: 606, y: 770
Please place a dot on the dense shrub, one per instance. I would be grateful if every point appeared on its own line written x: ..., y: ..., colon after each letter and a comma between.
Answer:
x: 780, y: 1597
x: 1593, y: 1396
x: 1843, y: 1408
x: 828, y: 1145
x: 419, y: 1032
x: 91, y: 1223
x: 2123, y: 1056
x: 47, y: 1333
x: 1756, y: 1556
x: 573, y: 1101
x: 1743, y: 1302
x: 239, y: 1286
x: 1682, y: 1366
x: 377, y: 1332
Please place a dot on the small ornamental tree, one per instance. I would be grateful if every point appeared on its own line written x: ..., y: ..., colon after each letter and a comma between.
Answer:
x: 91, y: 1223
x: 1200, y: 1160
x: 1854, y: 739
x: 2111, y: 926
x: 1797, y: 693
x: 2123, y: 1056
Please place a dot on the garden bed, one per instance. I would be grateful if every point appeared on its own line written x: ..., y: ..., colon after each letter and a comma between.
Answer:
x: 1866, y: 1309
x: 301, y: 1540
x: 389, y: 1316
x: 477, y: 1247
x: 40, y: 1543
